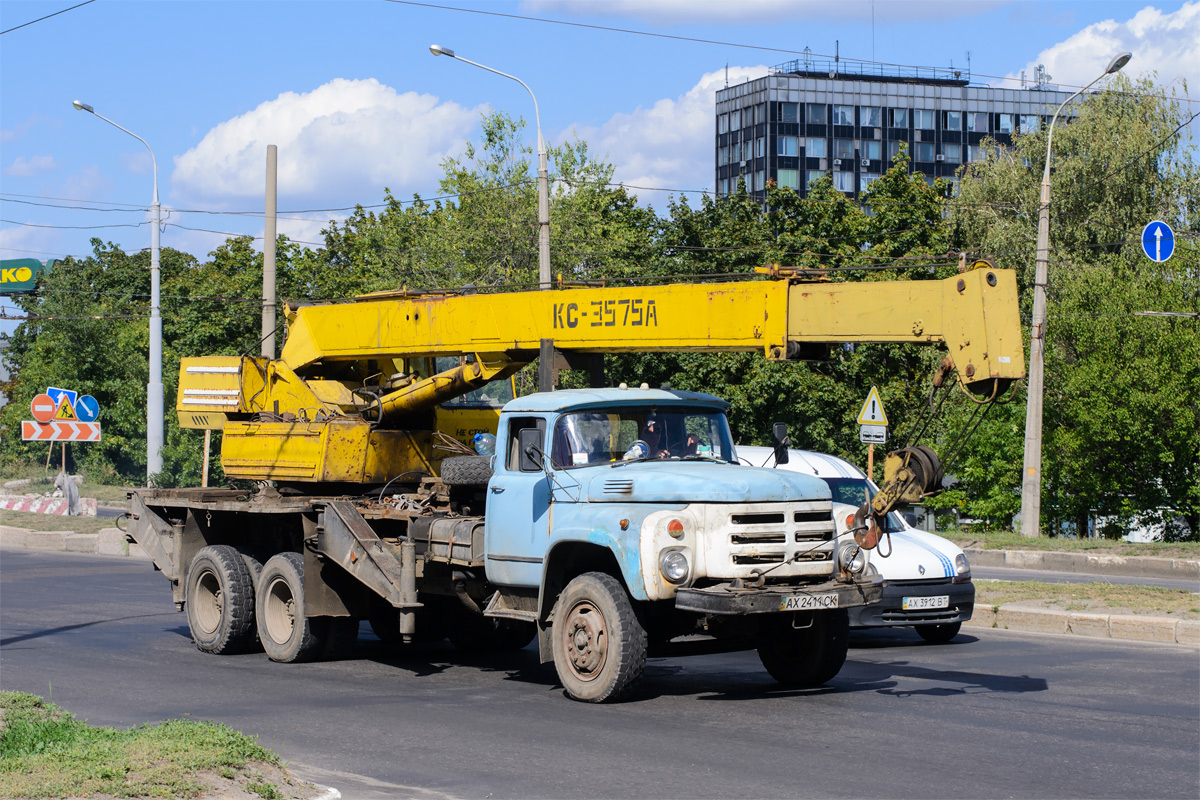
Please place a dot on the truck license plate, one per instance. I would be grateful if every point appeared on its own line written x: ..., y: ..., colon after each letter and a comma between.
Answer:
x: 808, y: 602
x: 916, y: 603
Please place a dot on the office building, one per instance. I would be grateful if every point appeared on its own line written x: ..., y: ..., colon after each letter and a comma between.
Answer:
x: 808, y: 118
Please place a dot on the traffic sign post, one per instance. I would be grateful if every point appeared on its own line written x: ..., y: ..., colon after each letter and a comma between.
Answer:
x: 1158, y: 241
x: 61, y: 415
x: 872, y: 421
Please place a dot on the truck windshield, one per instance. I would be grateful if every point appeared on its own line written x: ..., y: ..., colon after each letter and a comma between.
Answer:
x: 856, y: 491
x: 605, y: 436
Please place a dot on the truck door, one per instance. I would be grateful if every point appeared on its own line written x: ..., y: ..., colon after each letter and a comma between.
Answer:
x: 517, y: 525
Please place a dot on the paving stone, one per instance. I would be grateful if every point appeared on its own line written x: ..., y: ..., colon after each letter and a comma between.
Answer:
x: 81, y: 542
x: 1088, y: 625
x: 1142, y: 628
x: 47, y: 540
x: 1031, y: 619
x: 111, y: 542
x: 13, y: 537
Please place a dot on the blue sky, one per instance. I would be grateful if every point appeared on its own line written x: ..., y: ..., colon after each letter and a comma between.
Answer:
x: 355, y: 102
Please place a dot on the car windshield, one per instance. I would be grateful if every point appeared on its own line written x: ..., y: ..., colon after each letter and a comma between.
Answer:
x: 856, y: 491
x: 618, y: 435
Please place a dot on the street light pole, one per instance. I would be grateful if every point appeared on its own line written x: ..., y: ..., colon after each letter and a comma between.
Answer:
x: 154, y: 389
x: 543, y: 169
x: 1031, y: 474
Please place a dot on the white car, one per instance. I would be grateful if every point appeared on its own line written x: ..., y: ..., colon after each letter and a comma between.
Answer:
x: 927, y: 579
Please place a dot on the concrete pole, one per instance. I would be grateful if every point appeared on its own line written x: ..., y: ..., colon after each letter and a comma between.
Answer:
x: 269, y: 236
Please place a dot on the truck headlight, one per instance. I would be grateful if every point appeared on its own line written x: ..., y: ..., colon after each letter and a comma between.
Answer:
x: 674, y: 565
x: 962, y: 568
x: 852, y: 559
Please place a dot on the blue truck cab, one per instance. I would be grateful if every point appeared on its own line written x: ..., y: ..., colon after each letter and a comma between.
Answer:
x: 623, y: 520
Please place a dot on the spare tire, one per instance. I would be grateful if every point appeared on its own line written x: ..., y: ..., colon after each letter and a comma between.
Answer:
x: 467, y: 470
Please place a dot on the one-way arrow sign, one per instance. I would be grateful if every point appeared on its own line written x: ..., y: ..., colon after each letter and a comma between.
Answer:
x: 1158, y: 241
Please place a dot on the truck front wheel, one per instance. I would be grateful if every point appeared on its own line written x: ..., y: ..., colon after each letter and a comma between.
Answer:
x: 599, y: 643
x: 220, y: 601
x: 809, y: 655
x: 286, y: 634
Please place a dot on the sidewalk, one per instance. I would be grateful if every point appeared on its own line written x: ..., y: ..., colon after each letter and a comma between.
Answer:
x: 1018, y: 616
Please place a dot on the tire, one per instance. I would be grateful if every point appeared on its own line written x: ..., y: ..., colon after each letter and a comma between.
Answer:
x: 467, y: 470
x: 286, y: 634
x: 805, y: 657
x: 598, y: 641
x: 220, y: 601
x: 939, y: 634
x: 255, y: 566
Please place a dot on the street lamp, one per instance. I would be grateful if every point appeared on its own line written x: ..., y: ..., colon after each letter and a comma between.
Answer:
x: 1031, y: 475
x: 543, y: 170
x: 154, y: 389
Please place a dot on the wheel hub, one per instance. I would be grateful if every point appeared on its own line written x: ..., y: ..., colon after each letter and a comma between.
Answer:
x: 586, y: 639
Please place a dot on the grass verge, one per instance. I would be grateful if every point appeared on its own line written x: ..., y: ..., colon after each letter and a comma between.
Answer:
x: 1106, y: 598
x: 54, y: 522
x: 1007, y: 540
x: 46, y: 752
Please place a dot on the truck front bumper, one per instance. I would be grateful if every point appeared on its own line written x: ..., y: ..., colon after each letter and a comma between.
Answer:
x: 726, y: 599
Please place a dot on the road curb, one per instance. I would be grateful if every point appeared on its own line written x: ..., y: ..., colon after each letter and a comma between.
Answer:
x: 1087, y: 564
x: 1125, y: 627
x: 108, y: 542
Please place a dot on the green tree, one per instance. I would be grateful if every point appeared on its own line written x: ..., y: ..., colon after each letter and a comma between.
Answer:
x: 1122, y: 389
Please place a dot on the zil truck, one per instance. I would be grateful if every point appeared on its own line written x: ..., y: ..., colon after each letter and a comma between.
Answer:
x: 604, y: 523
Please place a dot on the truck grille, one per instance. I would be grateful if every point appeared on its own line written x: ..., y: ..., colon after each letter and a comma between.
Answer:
x: 769, y: 537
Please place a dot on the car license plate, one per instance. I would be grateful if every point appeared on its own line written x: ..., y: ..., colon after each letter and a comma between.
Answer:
x: 917, y: 603
x: 808, y: 602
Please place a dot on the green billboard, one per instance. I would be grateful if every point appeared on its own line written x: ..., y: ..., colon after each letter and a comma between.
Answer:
x: 21, y: 274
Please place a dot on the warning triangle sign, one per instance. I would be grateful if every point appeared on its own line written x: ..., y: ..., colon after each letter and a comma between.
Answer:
x: 872, y: 410
x: 65, y: 410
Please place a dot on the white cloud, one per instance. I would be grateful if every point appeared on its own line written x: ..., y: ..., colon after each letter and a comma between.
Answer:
x: 670, y: 144
x: 345, y: 138
x: 24, y: 167
x: 757, y: 12
x: 1168, y: 43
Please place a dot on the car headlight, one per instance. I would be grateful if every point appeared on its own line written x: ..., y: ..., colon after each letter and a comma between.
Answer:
x: 852, y: 559
x: 674, y: 565
x: 962, y: 568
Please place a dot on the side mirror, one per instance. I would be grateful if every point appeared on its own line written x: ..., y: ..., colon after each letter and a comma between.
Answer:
x: 529, y: 442
x: 780, y: 442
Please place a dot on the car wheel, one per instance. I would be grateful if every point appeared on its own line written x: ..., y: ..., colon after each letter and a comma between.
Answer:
x: 939, y: 634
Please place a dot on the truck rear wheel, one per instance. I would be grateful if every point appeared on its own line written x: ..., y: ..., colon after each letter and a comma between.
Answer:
x: 808, y: 656
x: 220, y: 601
x: 286, y: 634
x: 599, y: 642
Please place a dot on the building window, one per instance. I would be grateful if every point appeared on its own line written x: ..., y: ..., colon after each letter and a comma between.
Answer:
x: 872, y: 149
x: 723, y: 186
x: 929, y: 179
x: 747, y: 150
x: 1030, y: 123
x: 843, y: 181
x: 788, y: 112
x: 1006, y: 123
x: 893, y: 150
x: 843, y: 115
x: 786, y: 146
x: 760, y: 182
x: 923, y: 151
x: 843, y: 148
x: 722, y: 123
x: 953, y: 186
x: 867, y: 179
x: 977, y: 121
x: 789, y: 178
x: 953, y: 153
x: 871, y: 116
x: 813, y: 175
x: 975, y: 153
x: 761, y: 147
x: 735, y: 120
x: 952, y: 121
x: 815, y: 148
x: 751, y: 116
x: 814, y: 114
x: 923, y: 119
x: 898, y: 117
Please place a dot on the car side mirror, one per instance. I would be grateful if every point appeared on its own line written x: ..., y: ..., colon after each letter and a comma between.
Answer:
x: 529, y: 442
x: 780, y: 442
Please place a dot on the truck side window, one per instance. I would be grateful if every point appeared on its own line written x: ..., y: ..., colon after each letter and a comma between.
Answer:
x: 515, y: 426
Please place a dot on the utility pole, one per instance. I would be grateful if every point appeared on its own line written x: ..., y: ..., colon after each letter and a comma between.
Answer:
x: 269, y: 235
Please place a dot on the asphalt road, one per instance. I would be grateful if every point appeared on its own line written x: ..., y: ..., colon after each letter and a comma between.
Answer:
x: 1010, y: 574
x: 994, y: 714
